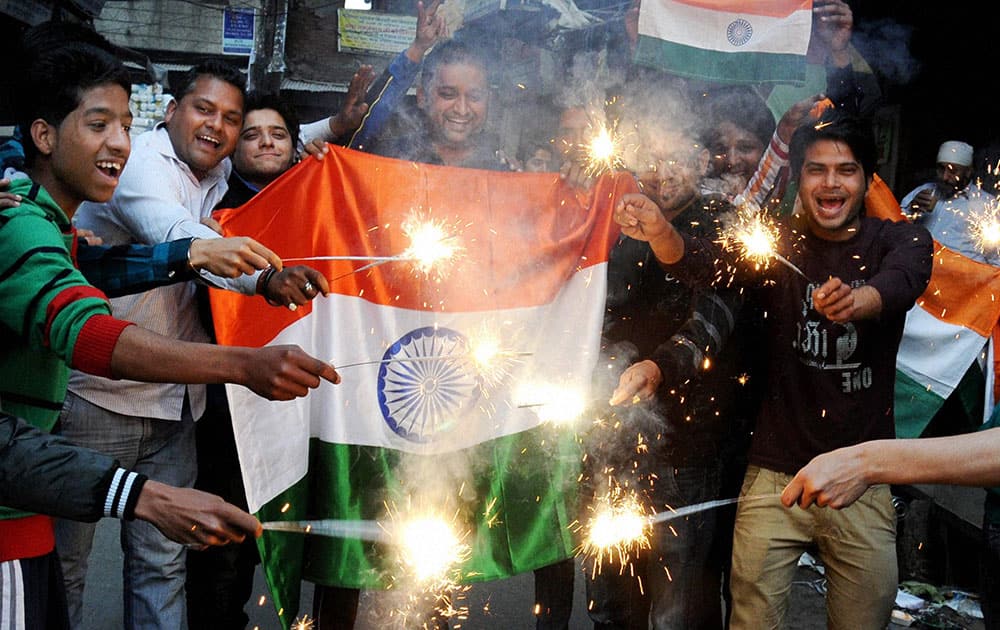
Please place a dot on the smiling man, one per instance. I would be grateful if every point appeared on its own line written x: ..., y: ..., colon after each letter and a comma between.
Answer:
x: 830, y: 371
x: 176, y: 175
x: 453, y: 97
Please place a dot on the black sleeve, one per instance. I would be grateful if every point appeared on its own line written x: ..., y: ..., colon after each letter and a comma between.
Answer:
x: 48, y: 474
x: 906, y: 267
x: 703, y: 335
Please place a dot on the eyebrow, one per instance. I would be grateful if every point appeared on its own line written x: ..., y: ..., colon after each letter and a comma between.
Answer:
x: 106, y: 111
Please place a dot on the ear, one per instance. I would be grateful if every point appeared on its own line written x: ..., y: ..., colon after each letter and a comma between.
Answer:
x: 45, y: 136
x: 702, y: 160
x: 421, y: 97
x: 171, y: 108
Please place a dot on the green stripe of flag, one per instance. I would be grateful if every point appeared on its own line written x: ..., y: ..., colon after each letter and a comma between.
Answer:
x: 534, y: 504
x: 712, y: 65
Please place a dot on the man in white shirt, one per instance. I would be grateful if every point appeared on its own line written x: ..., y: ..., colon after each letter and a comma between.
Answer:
x: 946, y: 205
x: 175, y: 177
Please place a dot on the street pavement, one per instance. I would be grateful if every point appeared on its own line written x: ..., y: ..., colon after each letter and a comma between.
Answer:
x: 500, y: 605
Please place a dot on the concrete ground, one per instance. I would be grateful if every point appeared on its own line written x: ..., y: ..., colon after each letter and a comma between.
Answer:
x: 501, y: 605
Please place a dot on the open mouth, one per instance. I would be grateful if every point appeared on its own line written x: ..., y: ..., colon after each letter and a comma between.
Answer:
x: 210, y: 140
x: 110, y: 168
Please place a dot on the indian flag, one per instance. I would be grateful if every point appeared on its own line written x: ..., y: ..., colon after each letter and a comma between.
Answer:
x: 473, y: 329
x: 946, y: 332
x: 726, y: 40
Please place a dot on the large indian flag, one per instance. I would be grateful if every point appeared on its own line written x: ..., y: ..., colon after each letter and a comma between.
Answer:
x: 946, y: 332
x: 418, y: 423
x: 726, y: 40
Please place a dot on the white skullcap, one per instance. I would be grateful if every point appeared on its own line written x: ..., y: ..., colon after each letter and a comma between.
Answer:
x: 955, y: 152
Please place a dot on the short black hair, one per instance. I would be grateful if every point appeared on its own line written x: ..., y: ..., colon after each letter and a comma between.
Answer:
x: 52, y: 85
x: 838, y: 125
x: 743, y: 107
x: 269, y: 100
x: 451, y: 52
x: 212, y: 68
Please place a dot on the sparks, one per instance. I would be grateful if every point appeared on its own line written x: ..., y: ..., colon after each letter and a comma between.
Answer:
x: 604, y: 151
x: 430, y: 548
x: 756, y: 235
x: 984, y: 228
x: 430, y: 244
x: 618, y: 530
x: 552, y: 403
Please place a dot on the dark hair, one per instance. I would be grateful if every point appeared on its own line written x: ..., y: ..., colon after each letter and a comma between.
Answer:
x: 835, y: 124
x: 52, y: 85
x: 742, y: 107
x: 270, y: 100
x: 527, y: 149
x: 451, y: 52
x: 213, y: 68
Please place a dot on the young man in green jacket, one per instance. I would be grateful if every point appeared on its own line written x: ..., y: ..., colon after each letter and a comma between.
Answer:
x: 73, y: 111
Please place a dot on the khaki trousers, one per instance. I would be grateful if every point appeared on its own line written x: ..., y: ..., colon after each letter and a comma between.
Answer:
x: 856, y: 544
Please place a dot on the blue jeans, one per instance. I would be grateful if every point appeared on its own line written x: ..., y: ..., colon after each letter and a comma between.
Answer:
x: 154, y: 570
x: 689, y: 597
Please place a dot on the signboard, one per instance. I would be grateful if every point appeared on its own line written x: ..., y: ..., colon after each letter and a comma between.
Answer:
x: 237, y: 31
x: 368, y: 32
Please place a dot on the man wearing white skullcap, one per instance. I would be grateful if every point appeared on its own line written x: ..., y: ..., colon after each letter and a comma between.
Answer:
x: 944, y: 205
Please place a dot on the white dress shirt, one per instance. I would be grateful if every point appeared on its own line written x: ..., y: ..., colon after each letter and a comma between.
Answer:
x: 158, y: 199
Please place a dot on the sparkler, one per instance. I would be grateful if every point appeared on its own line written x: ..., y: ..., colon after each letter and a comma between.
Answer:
x: 757, y: 236
x: 552, y: 403
x: 618, y: 530
x: 603, y: 152
x: 483, y: 362
x: 430, y: 547
x: 430, y: 245
x: 984, y: 229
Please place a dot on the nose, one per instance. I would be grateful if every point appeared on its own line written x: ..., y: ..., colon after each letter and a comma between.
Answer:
x: 119, y: 141
x: 266, y: 140
x: 461, y: 105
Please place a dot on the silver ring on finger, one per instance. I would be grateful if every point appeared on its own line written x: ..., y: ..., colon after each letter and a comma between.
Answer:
x: 308, y: 288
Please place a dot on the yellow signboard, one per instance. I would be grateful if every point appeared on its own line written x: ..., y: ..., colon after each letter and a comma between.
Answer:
x: 369, y: 32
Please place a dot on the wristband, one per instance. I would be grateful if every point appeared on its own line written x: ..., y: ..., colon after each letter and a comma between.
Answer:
x: 191, y: 264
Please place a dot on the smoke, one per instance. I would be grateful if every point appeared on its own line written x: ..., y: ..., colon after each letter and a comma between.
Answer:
x: 885, y: 45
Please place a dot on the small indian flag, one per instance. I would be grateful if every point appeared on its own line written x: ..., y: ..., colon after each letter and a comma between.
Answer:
x: 726, y: 40
x: 947, y: 331
x: 459, y: 353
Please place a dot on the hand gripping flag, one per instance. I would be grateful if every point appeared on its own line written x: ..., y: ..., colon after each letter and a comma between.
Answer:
x: 420, y: 419
x: 726, y: 40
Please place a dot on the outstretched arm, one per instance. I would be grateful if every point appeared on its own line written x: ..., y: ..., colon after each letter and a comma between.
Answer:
x: 838, y: 478
x: 274, y: 372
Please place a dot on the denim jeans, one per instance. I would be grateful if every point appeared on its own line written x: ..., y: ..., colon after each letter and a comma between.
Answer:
x: 681, y: 577
x: 154, y: 570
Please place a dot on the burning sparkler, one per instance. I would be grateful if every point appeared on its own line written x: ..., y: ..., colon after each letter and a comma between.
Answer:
x: 430, y: 548
x: 984, y: 229
x: 757, y: 237
x: 618, y: 530
x: 430, y: 244
x: 604, y: 151
x: 552, y: 403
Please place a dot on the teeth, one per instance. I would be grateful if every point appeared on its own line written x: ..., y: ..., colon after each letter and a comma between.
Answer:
x: 209, y: 139
x: 115, y: 166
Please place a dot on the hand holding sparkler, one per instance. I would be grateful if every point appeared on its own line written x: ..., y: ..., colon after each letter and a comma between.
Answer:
x: 641, y: 219
x: 639, y: 382
x: 292, y: 286
x: 840, y: 303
